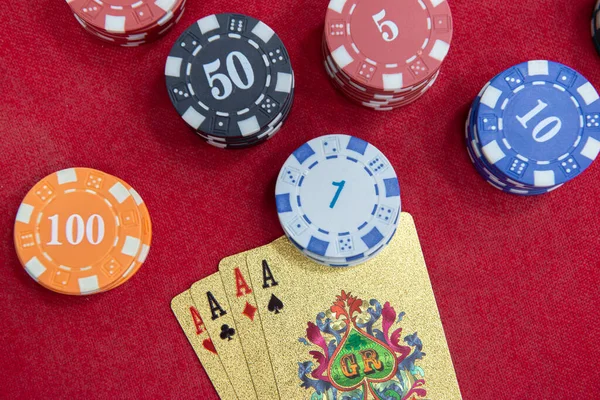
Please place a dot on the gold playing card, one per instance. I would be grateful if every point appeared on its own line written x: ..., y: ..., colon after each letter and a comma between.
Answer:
x: 191, y: 322
x: 367, y: 332
x: 234, y: 274
x: 211, y: 300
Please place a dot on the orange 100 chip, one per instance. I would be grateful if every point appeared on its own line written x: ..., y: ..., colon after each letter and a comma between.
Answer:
x: 78, y: 231
x: 146, y: 239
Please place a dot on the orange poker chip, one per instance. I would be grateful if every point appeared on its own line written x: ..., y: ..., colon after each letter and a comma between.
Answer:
x: 79, y: 230
x: 146, y: 239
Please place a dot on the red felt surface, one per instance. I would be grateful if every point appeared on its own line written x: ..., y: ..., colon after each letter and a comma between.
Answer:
x: 516, y: 279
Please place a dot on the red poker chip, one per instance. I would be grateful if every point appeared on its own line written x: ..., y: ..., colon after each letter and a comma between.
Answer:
x: 400, y: 101
x: 386, y: 53
x: 134, y: 39
x: 370, y: 99
x: 378, y: 102
x: 360, y: 86
x: 127, y: 22
x: 351, y: 89
x: 382, y: 105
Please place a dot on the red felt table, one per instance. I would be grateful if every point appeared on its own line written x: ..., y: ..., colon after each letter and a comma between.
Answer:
x: 516, y: 279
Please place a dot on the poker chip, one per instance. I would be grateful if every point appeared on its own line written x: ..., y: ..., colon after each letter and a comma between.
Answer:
x: 80, y: 231
x: 127, y: 23
x: 146, y: 224
x: 343, y: 264
x: 534, y: 127
x: 386, y: 54
x: 230, y: 79
x: 338, y: 200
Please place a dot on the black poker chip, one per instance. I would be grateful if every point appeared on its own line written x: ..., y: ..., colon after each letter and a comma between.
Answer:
x: 230, y: 78
x: 272, y: 128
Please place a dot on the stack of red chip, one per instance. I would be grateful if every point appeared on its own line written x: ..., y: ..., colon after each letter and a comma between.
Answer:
x: 127, y: 22
x: 385, y: 54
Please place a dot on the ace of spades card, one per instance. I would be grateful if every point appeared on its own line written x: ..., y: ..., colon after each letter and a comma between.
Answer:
x: 366, y: 332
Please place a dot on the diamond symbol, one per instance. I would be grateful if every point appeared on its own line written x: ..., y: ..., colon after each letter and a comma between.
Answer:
x: 208, y: 345
x: 249, y: 311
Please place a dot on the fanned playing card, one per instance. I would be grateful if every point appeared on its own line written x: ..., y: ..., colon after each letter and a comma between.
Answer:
x: 237, y: 284
x: 210, y: 299
x: 367, y: 332
x: 191, y: 322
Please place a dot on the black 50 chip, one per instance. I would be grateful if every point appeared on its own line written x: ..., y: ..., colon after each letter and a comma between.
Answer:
x: 229, y: 77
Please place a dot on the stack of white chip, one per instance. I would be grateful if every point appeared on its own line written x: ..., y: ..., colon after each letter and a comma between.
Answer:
x: 338, y: 200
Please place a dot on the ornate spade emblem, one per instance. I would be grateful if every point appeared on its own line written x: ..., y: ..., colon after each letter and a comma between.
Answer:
x: 359, y: 360
x: 359, y: 353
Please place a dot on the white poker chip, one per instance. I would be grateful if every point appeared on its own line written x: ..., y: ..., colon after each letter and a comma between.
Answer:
x: 338, y: 198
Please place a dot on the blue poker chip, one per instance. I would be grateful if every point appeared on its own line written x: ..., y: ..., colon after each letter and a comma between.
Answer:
x: 229, y: 77
x: 504, y: 184
x: 498, y: 183
x: 338, y: 197
x: 538, y: 124
x: 486, y: 170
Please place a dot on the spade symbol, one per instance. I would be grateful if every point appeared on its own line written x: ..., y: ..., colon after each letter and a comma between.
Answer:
x: 275, y: 305
x: 227, y: 332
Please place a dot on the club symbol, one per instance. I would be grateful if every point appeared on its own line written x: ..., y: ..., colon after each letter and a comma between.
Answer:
x: 227, y: 332
x: 275, y: 305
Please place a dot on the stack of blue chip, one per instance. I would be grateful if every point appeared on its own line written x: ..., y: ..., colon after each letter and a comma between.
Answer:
x: 534, y: 127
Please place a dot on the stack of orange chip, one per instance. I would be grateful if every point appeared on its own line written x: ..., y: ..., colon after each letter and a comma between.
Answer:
x: 80, y: 231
